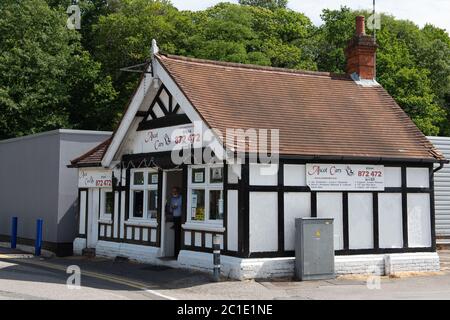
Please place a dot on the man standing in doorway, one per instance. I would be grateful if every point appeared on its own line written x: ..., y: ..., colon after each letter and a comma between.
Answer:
x: 174, y: 206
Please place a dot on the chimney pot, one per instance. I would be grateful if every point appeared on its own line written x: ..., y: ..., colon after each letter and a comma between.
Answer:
x: 360, y: 53
x: 360, y: 26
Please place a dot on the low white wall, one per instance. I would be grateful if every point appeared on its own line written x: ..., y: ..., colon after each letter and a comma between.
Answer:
x: 139, y: 253
x: 412, y: 262
x: 78, y: 245
x: 268, y: 268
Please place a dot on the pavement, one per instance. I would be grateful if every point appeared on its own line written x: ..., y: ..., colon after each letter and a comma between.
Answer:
x: 23, y: 276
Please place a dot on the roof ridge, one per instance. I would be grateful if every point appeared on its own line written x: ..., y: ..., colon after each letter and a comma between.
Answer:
x: 255, y: 67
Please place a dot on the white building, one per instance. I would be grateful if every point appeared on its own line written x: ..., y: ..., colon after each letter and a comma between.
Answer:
x: 345, y: 150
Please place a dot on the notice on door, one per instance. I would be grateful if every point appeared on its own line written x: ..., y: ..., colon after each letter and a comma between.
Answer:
x: 344, y: 177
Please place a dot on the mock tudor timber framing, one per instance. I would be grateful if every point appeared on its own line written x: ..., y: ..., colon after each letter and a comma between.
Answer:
x: 244, y: 189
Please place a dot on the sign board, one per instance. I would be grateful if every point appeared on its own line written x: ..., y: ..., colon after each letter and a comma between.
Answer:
x: 344, y: 177
x: 94, y: 178
x: 165, y: 139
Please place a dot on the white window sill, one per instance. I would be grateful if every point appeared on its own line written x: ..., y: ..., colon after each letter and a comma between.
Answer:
x: 105, y: 221
x: 142, y: 223
x: 203, y: 227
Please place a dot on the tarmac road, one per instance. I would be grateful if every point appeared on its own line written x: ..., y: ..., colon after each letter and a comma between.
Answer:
x: 23, y: 277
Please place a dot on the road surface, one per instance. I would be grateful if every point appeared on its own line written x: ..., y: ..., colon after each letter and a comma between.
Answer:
x: 23, y: 277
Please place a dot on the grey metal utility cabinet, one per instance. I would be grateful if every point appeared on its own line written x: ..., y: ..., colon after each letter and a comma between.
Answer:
x: 314, y: 249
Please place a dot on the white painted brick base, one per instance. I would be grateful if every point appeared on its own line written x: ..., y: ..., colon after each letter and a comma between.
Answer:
x: 266, y: 268
x: 360, y: 264
x: 78, y: 245
x: 143, y: 254
x: 237, y: 268
x: 412, y: 262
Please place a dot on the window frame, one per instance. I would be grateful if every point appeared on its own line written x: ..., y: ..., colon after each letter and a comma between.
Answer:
x: 207, y: 186
x: 145, y: 187
x: 106, y: 216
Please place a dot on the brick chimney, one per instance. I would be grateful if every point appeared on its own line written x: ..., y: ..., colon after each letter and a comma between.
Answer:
x: 360, y: 53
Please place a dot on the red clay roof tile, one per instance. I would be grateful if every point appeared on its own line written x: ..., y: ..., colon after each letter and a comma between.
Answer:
x: 317, y: 113
x: 93, y: 157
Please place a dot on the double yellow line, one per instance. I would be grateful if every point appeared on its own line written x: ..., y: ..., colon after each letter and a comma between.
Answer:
x: 114, y: 279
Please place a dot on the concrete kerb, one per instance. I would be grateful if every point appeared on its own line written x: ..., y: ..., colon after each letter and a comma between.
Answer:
x: 28, y: 249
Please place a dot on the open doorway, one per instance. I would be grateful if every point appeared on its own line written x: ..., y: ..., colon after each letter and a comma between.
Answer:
x: 173, y: 204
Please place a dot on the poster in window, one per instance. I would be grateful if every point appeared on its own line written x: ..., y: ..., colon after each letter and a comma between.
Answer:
x: 154, y: 178
x: 221, y: 207
x: 216, y: 175
x: 194, y: 201
x: 198, y: 175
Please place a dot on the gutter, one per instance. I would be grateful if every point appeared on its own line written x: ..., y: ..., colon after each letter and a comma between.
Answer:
x: 441, y: 165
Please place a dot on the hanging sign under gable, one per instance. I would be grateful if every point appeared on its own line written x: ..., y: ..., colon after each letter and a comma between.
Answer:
x: 165, y: 139
x: 344, y: 177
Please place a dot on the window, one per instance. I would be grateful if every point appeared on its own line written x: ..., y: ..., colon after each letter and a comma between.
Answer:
x: 144, y: 194
x: 216, y: 205
x: 198, y: 204
x: 152, y: 204
x: 106, y: 204
x: 205, y: 194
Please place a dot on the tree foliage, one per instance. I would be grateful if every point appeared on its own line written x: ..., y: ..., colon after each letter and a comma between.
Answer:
x: 54, y: 77
x: 47, y: 80
x: 268, y: 4
x: 412, y: 63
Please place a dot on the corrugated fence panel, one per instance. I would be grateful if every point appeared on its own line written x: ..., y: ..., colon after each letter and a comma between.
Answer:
x: 442, y: 189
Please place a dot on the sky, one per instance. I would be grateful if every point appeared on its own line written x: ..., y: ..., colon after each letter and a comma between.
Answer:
x: 421, y: 12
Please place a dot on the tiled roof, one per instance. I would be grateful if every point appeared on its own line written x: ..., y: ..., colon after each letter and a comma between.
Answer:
x: 318, y: 114
x: 93, y: 157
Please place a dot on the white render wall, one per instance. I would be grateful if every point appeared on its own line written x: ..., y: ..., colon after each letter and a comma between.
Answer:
x: 232, y: 220
x: 360, y: 220
x: 419, y: 224
x: 390, y: 219
x: 329, y: 205
x: 263, y: 221
x: 296, y: 205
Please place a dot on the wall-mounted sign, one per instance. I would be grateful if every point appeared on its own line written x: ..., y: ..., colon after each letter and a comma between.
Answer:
x: 94, y: 178
x: 344, y: 177
x: 165, y: 139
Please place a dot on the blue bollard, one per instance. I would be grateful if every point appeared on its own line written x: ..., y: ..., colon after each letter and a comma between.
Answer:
x: 14, y: 232
x: 38, y: 243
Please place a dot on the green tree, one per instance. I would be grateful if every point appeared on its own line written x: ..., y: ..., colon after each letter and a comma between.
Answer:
x: 268, y: 4
x: 91, y: 11
x: 256, y: 35
x: 123, y: 38
x: 412, y: 64
x: 39, y: 60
